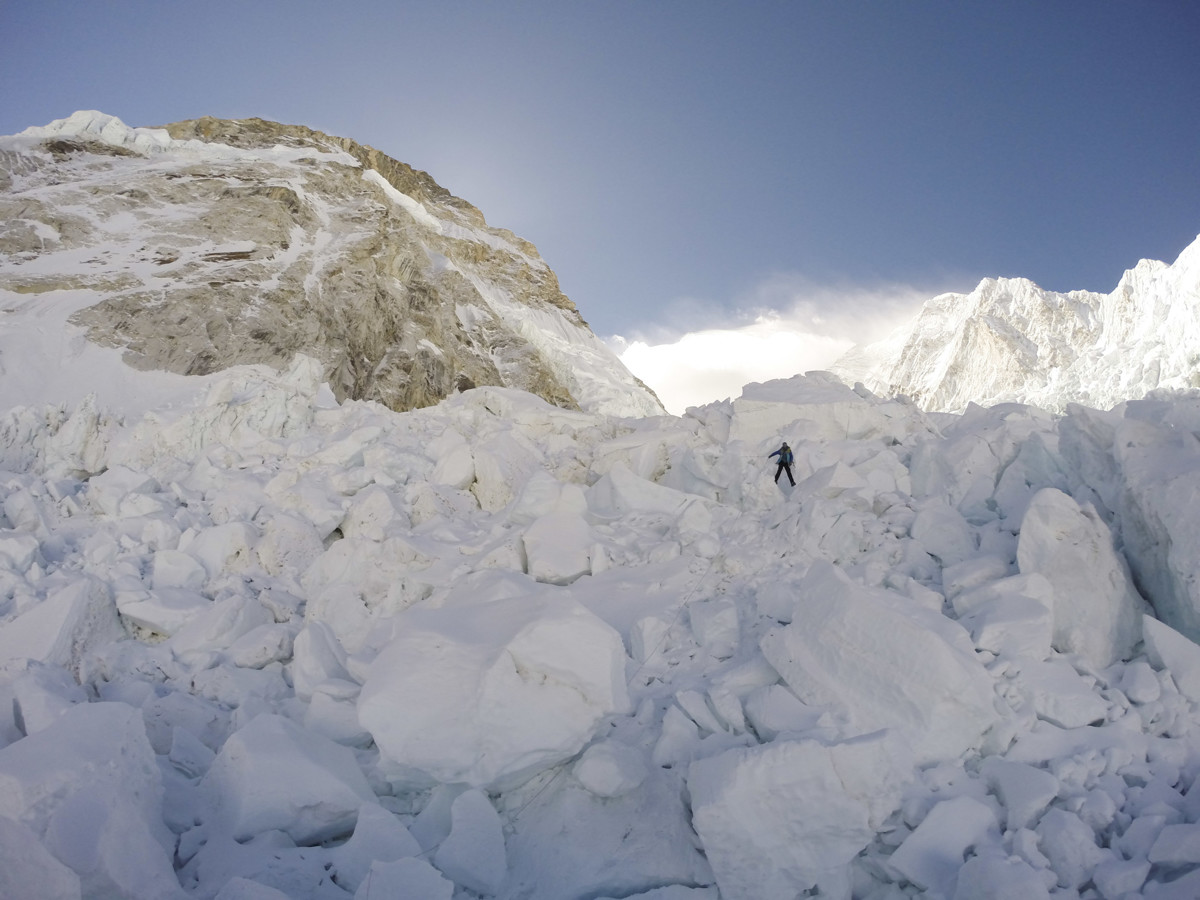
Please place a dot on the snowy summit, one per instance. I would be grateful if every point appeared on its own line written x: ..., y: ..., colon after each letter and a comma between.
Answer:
x: 264, y: 637
x: 1010, y: 340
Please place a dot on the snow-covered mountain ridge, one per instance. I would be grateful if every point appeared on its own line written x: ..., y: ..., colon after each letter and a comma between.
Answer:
x: 213, y: 243
x: 1011, y: 341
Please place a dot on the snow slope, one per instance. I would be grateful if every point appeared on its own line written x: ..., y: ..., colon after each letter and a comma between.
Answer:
x: 264, y: 645
x: 1009, y: 340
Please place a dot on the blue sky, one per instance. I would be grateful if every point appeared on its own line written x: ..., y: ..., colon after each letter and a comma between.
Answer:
x: 696, y: 165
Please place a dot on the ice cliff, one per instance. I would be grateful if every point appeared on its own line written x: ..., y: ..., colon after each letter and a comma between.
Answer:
x: 213, y: 243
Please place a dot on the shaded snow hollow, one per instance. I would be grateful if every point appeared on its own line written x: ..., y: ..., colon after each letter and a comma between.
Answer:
x: 262, y: 646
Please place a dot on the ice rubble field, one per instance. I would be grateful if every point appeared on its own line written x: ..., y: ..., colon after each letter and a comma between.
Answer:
x: 265, y: 646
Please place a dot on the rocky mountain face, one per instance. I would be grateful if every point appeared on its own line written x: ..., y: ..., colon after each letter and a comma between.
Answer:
x: 213, y: 243
x: 1010, y: 340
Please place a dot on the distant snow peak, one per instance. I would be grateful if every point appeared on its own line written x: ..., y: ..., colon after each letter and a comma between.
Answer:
x: 1010, y: 340
x: 212, y: 243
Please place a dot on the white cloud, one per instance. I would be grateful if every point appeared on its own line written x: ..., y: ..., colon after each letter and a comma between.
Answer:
x: 791, y: 326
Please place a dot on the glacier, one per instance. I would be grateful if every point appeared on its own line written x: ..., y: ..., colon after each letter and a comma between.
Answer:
x: 262, y: 644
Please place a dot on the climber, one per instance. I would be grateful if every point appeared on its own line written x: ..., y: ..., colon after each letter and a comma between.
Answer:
x: 785, y: 463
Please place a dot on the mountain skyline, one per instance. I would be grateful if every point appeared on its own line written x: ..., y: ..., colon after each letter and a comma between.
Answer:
x: 685, y: 167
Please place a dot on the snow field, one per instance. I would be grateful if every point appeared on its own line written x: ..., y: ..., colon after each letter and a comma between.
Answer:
x: 265, y: 646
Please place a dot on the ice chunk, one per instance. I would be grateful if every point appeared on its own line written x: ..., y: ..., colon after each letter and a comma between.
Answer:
x: 931, y: 856
x: 18, y: 551
x: 239, y: 888
x: 816, y: 405
x: 97, y: 751
x: 1170, y: 650
x: 1139, y: 682
x: 1186, y: 887
x: 610, y: 769
x: 163, y: 611
x: 1116, y: 877
x: 41, y: 693
x: 372, y: 514
x: 117, y: 490
x: 1060, y: 695
x: 189, y: 754
x: 28, y: 869
x: 558, y: 548
x: 1024, y: 790
x: 472, y: 855
x: 753, y: 810
x: 378, y: 835
x: 1177, y: 845
x: 1096, y: 608
x: 944, y: 533
x: 485, y: 693
x: 404, y: 879
x: 455, y: 467
x: 288, y: 543
x: 672, y: 892
x: 715, y: 625
x: 773, y: 710
x: 620, y: 491
x: 176, y: 569
x: 220, y: 624
x: 1014, y: 625
x: 271, y: 774
x: 992, y: 877
x: 224, y: 548
x: 108, y: 842
x: 62, y: 629
x: 974, y: 572
x: 884, y: 663
x: 1070, y: 845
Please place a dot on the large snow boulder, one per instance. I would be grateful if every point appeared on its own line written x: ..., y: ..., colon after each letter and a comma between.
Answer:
x: 1168, y: 649
x: 882, y: 661
x: 378, y: 836
x: 88, y: 784
x: 27, y: 869
x: 558, y: 548
x: 272, y: 774
x: 1096, y: 607
x: 1156, y: 498
x: 64, y: 628
x: 815, y: 406
x: 473, y: 853
x: 489, y: 693
x: 776, y: 820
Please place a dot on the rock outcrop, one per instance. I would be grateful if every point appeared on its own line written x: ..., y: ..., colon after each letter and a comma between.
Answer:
x: 211, y: 243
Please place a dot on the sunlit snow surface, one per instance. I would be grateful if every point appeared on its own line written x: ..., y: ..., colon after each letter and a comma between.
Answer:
x: 257, y: 645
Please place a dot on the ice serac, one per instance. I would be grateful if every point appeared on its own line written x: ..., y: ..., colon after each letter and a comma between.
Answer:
x: 1143, y: 461
x: 211, y: 243
x: 1010, y: 340
x: 1096, y: 609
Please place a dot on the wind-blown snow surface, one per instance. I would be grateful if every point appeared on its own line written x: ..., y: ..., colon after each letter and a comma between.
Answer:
x: 1010, y: 340
x: 267, y: 646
